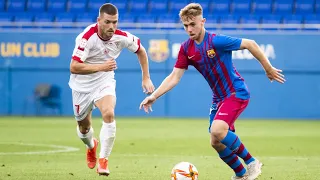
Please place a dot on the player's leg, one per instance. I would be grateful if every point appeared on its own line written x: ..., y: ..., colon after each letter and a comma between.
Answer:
x: 228, y: 112
x: 224, y: 152
x: 107, y: 133
x: 85, y: 133
x: 106, y: 102
x: 234, y: 144
x: 82, y: 112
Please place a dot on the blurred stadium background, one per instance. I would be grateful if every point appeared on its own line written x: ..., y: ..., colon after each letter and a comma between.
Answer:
x: 280, y: 125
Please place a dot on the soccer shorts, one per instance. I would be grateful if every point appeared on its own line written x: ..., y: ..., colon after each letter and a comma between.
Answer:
x: 228, y: 110
x: 83, y: 103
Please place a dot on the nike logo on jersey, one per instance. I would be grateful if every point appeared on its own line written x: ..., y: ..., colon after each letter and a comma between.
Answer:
x: 189, y: 57
x: 222, y: 114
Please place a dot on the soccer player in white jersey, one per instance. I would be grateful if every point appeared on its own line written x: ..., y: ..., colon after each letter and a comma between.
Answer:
x: 93, y: 84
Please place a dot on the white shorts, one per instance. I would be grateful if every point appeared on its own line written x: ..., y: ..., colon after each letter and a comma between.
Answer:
x: 83, y: 103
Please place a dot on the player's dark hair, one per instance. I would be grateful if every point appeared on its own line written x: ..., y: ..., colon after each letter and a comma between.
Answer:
x: 108, y: 8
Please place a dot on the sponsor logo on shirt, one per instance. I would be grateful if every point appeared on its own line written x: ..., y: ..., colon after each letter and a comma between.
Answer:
x: 83, y: 43
x: 79, y: 53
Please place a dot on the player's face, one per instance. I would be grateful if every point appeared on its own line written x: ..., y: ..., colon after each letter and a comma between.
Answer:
x: 194, y: 26
x: 107, y: 25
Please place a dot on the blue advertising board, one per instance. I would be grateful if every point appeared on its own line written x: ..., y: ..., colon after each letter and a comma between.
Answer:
x: 33, y: 57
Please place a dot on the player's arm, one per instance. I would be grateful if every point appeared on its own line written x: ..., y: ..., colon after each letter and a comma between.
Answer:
x: 79, y: 56
x: 255, y: 50
x: 169, y: 82
x: 173, y: 79
x: 77, y: 67
x: 144, y: 64
x: 228, y: 43
x: 143, y: 60
x: 134, y: 45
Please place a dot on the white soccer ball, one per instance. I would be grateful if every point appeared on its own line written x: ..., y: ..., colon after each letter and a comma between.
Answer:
x: 184, y: 171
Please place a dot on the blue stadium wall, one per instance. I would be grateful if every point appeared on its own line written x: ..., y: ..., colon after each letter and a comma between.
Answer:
x: 32, y: 57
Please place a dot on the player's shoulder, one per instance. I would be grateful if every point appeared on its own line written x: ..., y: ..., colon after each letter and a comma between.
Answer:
x: 186, y: 44
x: 121, y: 33
x: 212, y: 36
x: 89, y: 32
x: 88, y: 36
x: 219, y: 38
x: 123, y: 36
x: 222, y: 36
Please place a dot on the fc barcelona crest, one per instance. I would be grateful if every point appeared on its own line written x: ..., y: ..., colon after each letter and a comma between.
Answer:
x: 158, y: 49
x: 211, y: 53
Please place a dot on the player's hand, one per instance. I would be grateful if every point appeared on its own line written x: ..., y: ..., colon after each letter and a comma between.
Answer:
x: 275, y: 74
x: 147, y: 86
x: 147, y: 102
x: 109, y: 65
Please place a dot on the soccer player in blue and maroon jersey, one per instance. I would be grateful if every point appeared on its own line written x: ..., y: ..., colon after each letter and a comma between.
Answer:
x: 210, y: 54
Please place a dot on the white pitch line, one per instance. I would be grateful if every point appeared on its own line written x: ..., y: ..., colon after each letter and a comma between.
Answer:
x: 201, y: 156
x: 60, y: 149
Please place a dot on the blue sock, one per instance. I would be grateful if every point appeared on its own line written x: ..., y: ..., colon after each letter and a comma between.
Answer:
x: 232, y: 141
x: 232, y: 161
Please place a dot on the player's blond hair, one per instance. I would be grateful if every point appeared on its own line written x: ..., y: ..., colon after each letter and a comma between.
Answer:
x: 190, y: 11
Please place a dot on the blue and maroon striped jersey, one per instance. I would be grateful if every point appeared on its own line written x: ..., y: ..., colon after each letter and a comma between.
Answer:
x: 213, y: 59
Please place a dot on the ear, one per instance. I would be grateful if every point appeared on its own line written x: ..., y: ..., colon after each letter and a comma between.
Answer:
x: 203, y: 20
x: 98, y: 19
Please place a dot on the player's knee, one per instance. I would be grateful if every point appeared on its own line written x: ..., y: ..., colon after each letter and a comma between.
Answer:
x: 108, y: 115
x: 84, y: 125
x: 219, y: 130
x: 84, y: 129
x: 216, y: 144
x: 217, y: 133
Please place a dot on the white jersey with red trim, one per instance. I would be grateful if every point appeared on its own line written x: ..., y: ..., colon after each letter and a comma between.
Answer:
x: 90, y: 48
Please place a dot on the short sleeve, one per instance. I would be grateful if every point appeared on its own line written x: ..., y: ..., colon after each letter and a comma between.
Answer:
x: 182, y: 60
x: 81, y: 50
x: 132, y: 42
x: 226, y: 43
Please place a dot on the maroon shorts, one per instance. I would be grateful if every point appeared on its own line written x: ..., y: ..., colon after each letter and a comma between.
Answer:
x: 228, y: 110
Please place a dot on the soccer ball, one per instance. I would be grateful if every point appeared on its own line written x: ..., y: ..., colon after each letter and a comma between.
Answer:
x: 184, y: 171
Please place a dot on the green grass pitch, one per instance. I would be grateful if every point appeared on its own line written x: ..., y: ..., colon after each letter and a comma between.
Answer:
x: 147, y: 149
